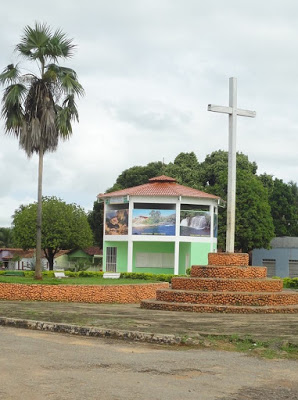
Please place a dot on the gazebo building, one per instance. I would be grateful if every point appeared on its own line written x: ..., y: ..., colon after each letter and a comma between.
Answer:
x: 158, y: 227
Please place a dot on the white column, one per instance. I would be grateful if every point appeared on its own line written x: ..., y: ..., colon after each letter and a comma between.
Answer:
x: 211, y: 210
x: 177, y: 237
x: 129, y: 238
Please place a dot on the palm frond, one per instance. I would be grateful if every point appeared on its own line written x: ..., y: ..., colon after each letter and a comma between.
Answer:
x: 9, y: 75
x: 64, y: 122
x: 65, y: 114
x: 66, y: 78
x: 39, y: 43
x: 60, y: 45
x: 12, y: 109
x: 34, y: 41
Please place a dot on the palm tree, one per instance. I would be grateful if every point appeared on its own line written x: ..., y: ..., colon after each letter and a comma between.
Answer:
x: 38, y: 108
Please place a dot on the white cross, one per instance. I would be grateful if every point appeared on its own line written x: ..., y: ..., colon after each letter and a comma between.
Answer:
x: 233, y: 111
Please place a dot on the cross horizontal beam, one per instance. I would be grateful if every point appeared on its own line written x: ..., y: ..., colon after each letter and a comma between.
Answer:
x: 229, y: 110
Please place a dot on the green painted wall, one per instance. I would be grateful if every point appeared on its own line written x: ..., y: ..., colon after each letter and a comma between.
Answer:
x: 62, y: 261
x: 199, y: 253
x: 185, y: 248
x: 78, y: 254
x: 121, y: 255
x: 152, y: 247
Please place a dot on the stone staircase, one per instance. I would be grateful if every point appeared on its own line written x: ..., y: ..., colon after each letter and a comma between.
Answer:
x: 228, y: 285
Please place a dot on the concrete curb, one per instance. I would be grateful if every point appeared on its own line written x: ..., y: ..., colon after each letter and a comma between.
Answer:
x: 93, y: 332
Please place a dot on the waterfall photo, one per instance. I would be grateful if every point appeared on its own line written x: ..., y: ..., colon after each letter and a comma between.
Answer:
x: 194, y: 223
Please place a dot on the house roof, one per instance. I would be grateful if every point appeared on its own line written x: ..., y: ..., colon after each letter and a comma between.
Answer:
x: 93, y: 251
x: 160, y: 186
x: 30, y: 253
x: 284, y: 242
x: 19, y: 252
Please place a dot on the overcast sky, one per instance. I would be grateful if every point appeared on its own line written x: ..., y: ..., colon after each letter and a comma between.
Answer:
x: 149, y: 69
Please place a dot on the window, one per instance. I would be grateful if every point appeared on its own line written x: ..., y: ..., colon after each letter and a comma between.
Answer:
x: 111, y: 261
x: 293, y: 268
x: 270, y: 264
x: 154, y: 260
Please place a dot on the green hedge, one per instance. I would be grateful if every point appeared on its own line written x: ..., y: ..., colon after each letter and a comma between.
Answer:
x: 50, y: 274
x: 287, y: 282
x: 147, y: 276
x: 291, y: 283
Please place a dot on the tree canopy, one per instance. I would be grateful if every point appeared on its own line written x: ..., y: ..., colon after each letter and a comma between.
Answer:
x: 95, y: 219
x: 137, y: 175
x: 6, y: 237
x: 64, y: 226
x: 254, y: 226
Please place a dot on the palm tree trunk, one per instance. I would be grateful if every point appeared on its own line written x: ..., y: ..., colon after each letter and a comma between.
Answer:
x: 38, y: 274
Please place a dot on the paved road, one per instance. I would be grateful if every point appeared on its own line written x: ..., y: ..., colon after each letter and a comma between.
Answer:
x: 38, y: 365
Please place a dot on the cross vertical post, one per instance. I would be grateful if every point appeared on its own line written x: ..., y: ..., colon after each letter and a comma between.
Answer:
x: 231, y: 203
x: 233, y: 111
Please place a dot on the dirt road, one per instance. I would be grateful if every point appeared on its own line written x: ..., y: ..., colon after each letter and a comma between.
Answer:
x: 37, y: 365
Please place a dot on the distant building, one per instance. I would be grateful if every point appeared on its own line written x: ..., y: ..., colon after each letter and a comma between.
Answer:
x: 281, y: 260
x: 19, y: 259
x: 158, y: 227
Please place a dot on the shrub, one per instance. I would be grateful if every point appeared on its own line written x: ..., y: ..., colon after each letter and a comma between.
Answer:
x: 291, y: 283
x: 148, y: 276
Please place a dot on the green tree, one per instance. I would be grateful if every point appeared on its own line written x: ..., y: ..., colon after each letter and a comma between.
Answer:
x: 38, y: 108
x: 95, y: 219
x: 254, y: 226
x: 186, y: 170
x: 6, y: 238
x: 283, y: 199
x: 137, y: 175
x: 64, y: 226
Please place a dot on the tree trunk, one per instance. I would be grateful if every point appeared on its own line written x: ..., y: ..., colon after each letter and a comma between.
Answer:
x: 38, y: 274
x: 51, y: 259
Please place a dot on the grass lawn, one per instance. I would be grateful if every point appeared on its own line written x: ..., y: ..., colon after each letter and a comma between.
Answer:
x: 73, y: 281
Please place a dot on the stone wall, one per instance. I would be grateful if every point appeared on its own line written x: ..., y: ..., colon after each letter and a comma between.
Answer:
x: 240, y: 259
x: 81, y: 293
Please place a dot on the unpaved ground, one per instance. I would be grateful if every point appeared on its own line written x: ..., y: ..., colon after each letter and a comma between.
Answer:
x: 37, y: 365
x: 132, y: 317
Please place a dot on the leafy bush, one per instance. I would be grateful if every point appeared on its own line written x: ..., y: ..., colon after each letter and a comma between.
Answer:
x: 148, y: 276
x: 29, y: 274
x: 14, y: 273
x: 291, y: 283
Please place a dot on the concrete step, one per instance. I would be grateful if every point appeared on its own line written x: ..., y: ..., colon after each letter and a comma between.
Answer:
x: 228, y: 298
x: 222, y: 284
x: 220, y: 271
x: 211, y: 308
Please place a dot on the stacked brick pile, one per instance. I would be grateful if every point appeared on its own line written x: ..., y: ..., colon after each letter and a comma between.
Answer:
x: 227, y: 284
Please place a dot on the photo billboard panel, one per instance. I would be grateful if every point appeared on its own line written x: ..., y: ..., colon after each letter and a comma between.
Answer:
x: 154, y: 222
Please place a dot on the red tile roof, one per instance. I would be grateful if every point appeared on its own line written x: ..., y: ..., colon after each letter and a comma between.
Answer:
x: 93, y: 251
x: 160, y: 186
x: 29, y: 253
